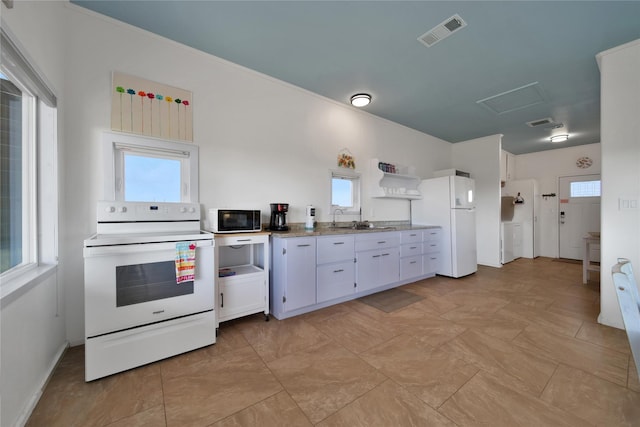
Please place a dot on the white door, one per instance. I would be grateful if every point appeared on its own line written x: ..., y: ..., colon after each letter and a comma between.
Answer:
x: 301, y: 272
x: 579, y: 213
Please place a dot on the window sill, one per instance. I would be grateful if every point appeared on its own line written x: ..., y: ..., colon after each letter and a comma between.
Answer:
x: 18, y: 283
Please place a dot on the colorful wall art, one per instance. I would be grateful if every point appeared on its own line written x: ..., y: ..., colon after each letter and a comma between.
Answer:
x: 148, y: 108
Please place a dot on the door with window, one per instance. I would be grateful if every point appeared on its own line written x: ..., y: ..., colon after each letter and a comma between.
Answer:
x: 579, y: 214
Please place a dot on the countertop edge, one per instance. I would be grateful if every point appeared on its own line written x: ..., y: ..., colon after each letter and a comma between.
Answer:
x: 333, y: 232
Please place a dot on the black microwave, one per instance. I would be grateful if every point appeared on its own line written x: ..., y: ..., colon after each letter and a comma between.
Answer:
x: 234, y: 221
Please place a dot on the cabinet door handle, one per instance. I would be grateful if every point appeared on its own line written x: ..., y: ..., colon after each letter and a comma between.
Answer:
x: 413, y: 235
x: 243, y: 240
x: 384, y: 241
x: 412, y: 262
x: 433, y: 246
x: 338, y: 271
x: 434, y: 258
x: 338, y: 243
x: 221, y: 299
x: 413, y: 247
x: 302, y: 246
x: 385, y: 254
x: 375, y: 256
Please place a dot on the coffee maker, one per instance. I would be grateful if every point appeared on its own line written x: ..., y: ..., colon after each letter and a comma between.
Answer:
x: 279, y: 217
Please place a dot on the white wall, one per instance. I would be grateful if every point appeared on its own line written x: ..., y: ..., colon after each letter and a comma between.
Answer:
x: 32, y: 319
x: 481, y: 157
x: 546, y: 167
x: 261, y: 140
x: 620, y: 132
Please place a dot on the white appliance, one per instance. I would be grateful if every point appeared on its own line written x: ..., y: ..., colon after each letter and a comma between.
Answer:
x: 311, y: 218
x: 135, y: 311
x: 526, y: 213
x: 449, y: 201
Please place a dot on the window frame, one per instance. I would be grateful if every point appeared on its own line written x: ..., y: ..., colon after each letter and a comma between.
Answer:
x: 116, y: 146
x: 356, y: 181
x: 39, y: 170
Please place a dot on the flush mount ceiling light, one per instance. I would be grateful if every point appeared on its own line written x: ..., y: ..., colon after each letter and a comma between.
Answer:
x: 360, y: 99
x: 559, y: 138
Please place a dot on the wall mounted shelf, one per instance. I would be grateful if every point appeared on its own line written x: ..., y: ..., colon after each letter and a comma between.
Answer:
x: 393, y: 185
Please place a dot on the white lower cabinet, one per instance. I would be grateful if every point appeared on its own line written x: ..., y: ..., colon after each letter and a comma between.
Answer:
x: 245, y: 294
x: 432, y: 243
x: 335, y: 272
x: 294, y: 274
x: 313, y: 272
x: 377, y: 260
x: 411, y: 251
x: 243, y: 275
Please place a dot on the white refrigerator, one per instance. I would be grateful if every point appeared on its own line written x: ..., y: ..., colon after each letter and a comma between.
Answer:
x: 449, y: 202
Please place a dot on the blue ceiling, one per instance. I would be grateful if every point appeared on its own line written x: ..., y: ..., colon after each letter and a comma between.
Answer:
x: 339, y: 48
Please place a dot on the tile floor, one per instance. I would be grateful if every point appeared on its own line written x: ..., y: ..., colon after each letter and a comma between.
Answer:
x: 517, y: 346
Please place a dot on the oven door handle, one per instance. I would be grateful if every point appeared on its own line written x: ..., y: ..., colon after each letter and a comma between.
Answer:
x: 139, y: 248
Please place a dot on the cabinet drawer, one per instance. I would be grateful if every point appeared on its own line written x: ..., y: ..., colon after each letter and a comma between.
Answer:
x: 335, y: 248
x: 430, y: 247
x: 432, y: 234
x: 366, y: 242
x: 411, y: 249
x: 431, y: 263
x: 411, y: 267
x: 335, y: 280
x: 410, y: 236
x: 243, y: 239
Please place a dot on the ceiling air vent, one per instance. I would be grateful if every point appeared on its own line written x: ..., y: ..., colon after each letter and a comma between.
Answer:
x: 547, y: 123
x: 442, y: 31
x: 540, y: 122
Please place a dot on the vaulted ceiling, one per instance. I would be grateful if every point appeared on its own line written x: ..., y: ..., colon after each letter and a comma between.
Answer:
x: 527, y: 60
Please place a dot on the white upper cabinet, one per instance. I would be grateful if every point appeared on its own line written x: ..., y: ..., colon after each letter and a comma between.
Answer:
x: 507, y: 166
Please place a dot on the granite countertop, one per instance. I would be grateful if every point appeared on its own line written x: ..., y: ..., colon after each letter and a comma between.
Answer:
x: 325, y: 229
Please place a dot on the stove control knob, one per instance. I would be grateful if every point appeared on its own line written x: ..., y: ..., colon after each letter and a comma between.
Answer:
x: 110, y: 209
x: 183, y: 209
x: 192, y: 209
x: 123, y: 209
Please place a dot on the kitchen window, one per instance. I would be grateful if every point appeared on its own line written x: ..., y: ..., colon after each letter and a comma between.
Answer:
x: 28, y: 173
x: 345, y: 192
x: 142, y: 169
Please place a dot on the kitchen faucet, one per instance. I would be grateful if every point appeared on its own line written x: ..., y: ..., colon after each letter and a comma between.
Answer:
x: 333, y: 224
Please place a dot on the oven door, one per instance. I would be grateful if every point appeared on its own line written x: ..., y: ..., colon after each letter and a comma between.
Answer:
x: 133, y: 285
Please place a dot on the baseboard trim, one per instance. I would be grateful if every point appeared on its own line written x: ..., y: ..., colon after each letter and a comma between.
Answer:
x: 31, y: 405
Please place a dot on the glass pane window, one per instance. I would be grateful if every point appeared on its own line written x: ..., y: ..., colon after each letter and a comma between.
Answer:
x: 13, y: 145
x: 585, y: 189
x: 345, y: 192
x: 342, y: 192
x: 151, y: 179
x: 139, y: 169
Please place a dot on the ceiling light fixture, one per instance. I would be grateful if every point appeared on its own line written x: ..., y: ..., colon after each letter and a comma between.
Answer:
x: 559, y: 138
x: 360, y: 99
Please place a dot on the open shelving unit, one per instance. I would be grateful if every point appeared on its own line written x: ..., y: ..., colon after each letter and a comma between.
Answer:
x: 388, y: 185
x: 243, y: 275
